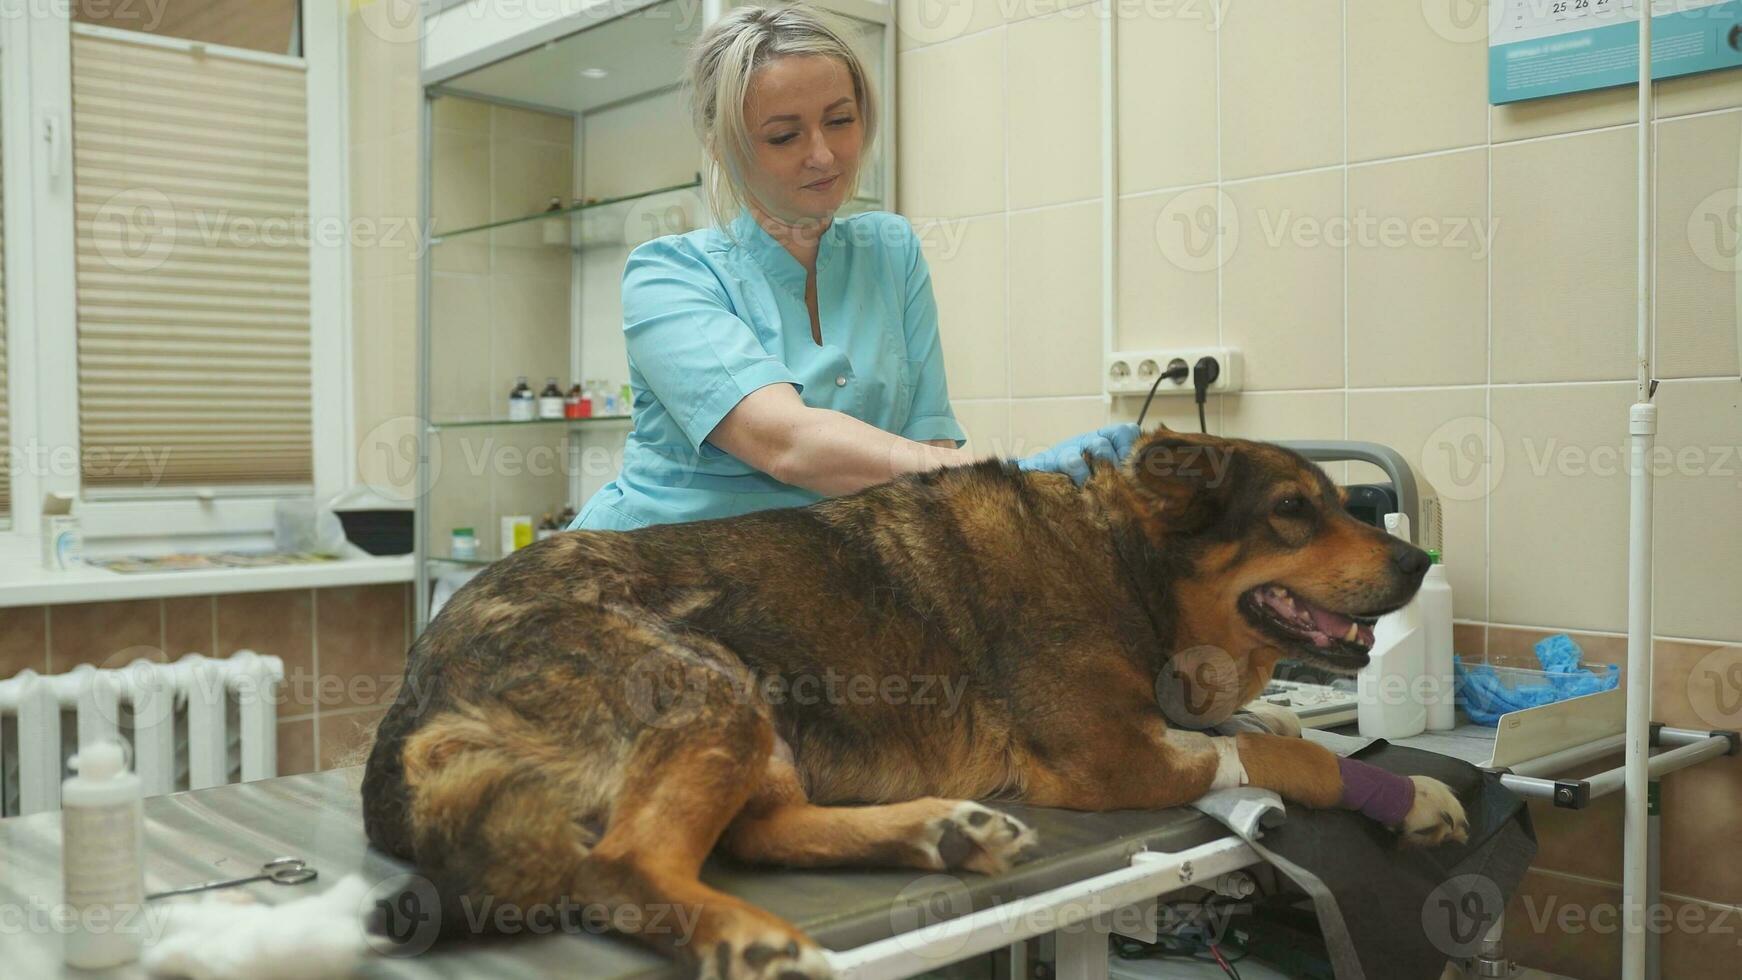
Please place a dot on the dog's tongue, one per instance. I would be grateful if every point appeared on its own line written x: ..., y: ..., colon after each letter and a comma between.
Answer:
x: 1330, y: 626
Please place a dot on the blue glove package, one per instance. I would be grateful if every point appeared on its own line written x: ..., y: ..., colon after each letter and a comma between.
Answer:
x: 1110, y: 442
x: 1486, y: 692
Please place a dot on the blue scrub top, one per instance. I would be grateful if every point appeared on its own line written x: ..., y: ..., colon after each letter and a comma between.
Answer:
x: 709, y: 318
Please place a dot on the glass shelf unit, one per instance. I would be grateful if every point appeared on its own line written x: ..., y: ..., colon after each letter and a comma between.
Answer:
x: 627, y: 220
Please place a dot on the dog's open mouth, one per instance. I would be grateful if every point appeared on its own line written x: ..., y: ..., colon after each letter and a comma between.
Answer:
x: 1339, y: 639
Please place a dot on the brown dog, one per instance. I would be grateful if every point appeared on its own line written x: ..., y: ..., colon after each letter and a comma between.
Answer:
x: 587, y: 719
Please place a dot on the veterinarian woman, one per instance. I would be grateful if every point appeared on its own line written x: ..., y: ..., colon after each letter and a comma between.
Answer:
x: 785, y: 354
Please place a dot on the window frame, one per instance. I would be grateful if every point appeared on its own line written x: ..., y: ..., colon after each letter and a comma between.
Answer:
x: 35, y: 99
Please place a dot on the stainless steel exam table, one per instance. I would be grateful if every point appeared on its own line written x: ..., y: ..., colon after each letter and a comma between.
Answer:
x: 881, y: 923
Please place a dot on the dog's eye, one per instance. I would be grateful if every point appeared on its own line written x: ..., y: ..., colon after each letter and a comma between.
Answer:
x: 1291, y: 506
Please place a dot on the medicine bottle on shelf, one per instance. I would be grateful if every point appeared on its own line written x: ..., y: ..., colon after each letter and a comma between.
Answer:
x: 520, y: 401
x: 550, y: 400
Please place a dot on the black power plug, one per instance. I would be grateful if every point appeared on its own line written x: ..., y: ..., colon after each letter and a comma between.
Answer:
x: 1204, y: 374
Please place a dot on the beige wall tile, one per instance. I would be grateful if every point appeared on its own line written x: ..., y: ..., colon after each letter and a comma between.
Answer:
x: 1433, y: 429
x: 1282, y: 280
x: 1564, y: 259
x: 1418, y: 271
x: 1167, y: 104
x: 1697, y: 538
x: 1036, y: 423
x: 1053, y: 99
x: 1271, y: 416
x: 1559, y: 507
x: 509, y: 123
x: 1019, y: 10
x: 462, y: 383
x: 524, y: 176
x: 1697, y: 246
x: 459, y: 179
x: 1418, y: 76
x: 534, y: 335
x: 1282, y: 87
x: 639, y: 146
x: 1167, y: 270
x: 1690, y: 835
x: 987, y: 424
x: 467, y: 115
x: 1179, y: 413
x: 922, y: 22
x: 1055, y: 301
x: 460, y: 485
x: 951, y: 118
x: 528, y: 468
x: 967, y: 262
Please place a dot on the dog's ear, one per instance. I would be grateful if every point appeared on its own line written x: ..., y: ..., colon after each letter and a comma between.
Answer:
x: 1183, y: 479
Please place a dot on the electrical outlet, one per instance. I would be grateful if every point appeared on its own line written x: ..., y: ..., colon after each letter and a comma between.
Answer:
x: 1132, y: 372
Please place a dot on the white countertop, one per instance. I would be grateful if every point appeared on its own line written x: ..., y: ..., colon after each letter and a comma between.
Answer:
x: 24, y: 582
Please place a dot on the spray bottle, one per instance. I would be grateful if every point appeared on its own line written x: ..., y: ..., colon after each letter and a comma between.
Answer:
x: 1435, y: 599
x: 1388, y: 689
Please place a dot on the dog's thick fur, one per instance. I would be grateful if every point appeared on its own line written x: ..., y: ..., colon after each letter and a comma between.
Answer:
x: 589, y: 718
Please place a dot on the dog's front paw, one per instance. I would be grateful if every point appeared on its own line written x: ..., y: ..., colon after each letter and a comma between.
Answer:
x: 1435, y: 817
x: 978, y: 838
x: 764, y: 954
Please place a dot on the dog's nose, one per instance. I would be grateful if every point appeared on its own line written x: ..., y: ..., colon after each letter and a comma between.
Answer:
x: 1410, y: 560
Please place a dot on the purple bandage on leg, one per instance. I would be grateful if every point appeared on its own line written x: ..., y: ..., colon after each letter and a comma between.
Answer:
x: 1385, y: 796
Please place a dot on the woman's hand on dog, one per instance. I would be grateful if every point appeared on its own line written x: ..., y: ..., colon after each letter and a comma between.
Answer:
x: 1110, y: 442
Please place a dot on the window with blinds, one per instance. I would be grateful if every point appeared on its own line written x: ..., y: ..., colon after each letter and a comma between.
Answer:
x: 5, y: 415
x: 191, y: 201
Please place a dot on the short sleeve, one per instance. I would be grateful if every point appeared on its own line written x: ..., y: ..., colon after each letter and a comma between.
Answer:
x: 931, y: 416
x: 697, y: 356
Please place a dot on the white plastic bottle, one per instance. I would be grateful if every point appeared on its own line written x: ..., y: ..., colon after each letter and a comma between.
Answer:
x: 1435, y: 599
x: 101, y: 848
x: 1388, y: 689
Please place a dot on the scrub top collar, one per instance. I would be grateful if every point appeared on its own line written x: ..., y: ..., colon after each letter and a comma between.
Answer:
x: 773, y: 256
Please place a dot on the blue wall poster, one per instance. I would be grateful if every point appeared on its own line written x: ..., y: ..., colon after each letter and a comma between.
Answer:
x: 1551, y: 47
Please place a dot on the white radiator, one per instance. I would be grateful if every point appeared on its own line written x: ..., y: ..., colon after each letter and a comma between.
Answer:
x: 196, y: 695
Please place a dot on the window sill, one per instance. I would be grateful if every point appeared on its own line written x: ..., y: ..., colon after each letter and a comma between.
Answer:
x: 24, y: 582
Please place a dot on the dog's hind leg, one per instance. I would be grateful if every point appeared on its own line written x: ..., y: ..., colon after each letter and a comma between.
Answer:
x: 778, y: 825
x: 507, y: 799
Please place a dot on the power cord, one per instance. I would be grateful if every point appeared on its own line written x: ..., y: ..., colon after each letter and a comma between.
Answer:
x: 1176, y: 372
x: 1204, y: 374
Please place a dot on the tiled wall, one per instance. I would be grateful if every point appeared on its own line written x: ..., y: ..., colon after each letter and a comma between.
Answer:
x: 343, y: 651
x: 1322, y: 185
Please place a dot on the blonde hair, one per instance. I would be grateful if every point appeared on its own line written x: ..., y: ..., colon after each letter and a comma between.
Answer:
x: 718, y: 75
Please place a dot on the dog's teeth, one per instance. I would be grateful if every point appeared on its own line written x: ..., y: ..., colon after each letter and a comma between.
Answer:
x: 1353, y: 634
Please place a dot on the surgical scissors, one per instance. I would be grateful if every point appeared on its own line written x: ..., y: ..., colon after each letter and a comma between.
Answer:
x: 279, y: 871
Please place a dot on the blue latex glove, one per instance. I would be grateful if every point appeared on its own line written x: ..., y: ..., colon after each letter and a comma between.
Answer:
x: 1110, y: 442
